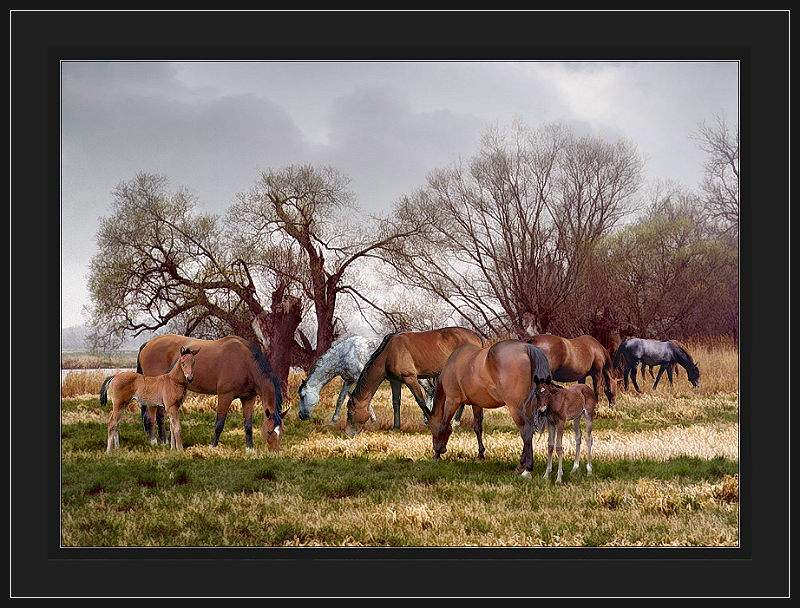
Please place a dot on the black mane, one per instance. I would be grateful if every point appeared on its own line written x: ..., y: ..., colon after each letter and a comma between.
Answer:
x: 362, y: 377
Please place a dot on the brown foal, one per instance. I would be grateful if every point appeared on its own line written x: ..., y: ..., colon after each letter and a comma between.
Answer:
x: 167, y: 391
x: 560, y: 404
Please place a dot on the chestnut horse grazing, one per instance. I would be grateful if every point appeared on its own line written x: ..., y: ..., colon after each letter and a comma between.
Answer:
x: 230, y: 368
x: 404, y: 358
x: 558, y: 405
x: 575, y: 359
x: 167, y: 391
x: 508, y: 373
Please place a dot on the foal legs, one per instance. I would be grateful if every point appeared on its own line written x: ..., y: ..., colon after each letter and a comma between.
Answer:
x: 175, y: 427
x: 560, y: 450
x: 152, y: 412
x: 588, y: 441
x: 551, y: 431
x: 576, y: 425
x: 113, y: 425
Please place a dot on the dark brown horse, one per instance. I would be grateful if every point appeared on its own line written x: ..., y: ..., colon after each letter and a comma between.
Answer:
x: 508, y: 373
x: 575, y: 359
x: 230, y: 368
x: 404, y: 358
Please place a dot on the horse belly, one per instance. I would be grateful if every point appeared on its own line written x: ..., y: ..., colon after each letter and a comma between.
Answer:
x: 567, y: 375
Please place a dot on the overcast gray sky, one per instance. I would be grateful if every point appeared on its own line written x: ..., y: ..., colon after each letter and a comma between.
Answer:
x: 212, y: 125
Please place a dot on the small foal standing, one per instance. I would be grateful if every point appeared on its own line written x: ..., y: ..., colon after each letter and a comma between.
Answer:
x: 560, y: 404
x: 167, y: 391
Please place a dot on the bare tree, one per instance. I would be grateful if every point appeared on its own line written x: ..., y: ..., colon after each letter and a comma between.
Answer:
x: 299, y: 224
x: 720, y: 185
x: 509, y: 236
x: 161, y: 265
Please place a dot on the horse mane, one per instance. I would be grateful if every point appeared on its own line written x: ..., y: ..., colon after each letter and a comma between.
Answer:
x: 266, y: 370
x: 323, y: 358
x: 362, y: 377
x: 683, y: 352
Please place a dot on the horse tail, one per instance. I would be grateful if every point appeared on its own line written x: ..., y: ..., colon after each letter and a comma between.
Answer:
x: 266, y: 371
x: 104, y: 390
x: 540, y: 372
x: 139, y: 358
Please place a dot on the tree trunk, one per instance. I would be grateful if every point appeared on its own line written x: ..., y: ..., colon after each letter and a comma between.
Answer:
x: 276, y: 330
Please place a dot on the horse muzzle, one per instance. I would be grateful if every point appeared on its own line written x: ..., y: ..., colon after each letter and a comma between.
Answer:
x: 303, y: 414
x: 189, y: 379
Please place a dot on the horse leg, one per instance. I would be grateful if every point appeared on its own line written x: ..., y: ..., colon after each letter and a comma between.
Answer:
x: 595, y: 384
x: 633, y: 378
x: 113, y: 425
x: 551, y: 431
x: 151, y: 412
x: 607, y: 386
x: 588, y: 443
x: 658, y: 376
x: 223, y: 405
x: 477, y: 426
x: 560, y: 450
x: 340, y: 400
x: 669, y: 372
x: 419, y: 394
x: 457, y: 417
x: 247, y: 413
x: 625, y: 373
x: 576, y: 426
x: 162, y: 437
x: 396, y: 386
x: 175, y: 426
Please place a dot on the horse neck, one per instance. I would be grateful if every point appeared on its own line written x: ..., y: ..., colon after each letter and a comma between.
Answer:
x: 176, y: 375
x: 370, y: 379
x: 683, y: 358
x: 324, y: 370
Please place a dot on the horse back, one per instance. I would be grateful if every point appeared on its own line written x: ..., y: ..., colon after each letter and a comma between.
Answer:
x: 426, y: 352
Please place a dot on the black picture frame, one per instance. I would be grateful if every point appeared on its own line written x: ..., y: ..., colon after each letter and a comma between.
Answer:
x: 40, y: 40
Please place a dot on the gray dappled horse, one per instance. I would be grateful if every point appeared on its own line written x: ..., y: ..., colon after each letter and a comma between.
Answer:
x: 634, y: 351
x: 345, y: 358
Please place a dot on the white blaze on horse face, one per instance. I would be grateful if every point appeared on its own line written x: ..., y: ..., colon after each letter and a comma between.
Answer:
x: 277, y: 431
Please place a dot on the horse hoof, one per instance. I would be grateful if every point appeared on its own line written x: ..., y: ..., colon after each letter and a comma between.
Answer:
x: 525, y: 474
x: 558, y: 480
x: 589, y: 469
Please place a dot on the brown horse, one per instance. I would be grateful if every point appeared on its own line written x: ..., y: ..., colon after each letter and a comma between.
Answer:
x: 575, y: 359
x: 167, y: 391
x: 508, y: 374
x: 559, y: 405
x: 230, y: 368
x: 404, y: 358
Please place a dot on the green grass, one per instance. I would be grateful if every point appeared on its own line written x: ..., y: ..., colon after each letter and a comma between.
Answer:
x: 385, y: 489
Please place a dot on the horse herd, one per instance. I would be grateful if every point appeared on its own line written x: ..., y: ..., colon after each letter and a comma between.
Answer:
x: 445, y: 370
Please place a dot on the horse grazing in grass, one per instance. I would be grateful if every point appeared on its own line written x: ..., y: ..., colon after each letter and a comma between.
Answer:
x: 404, y: 358
x: 345, y: 358
x: 558, y: 405
x: 575, y: 359
x: 508, y: 373
x: 655, y: 352
x: 230, y: 368
x: 165, y: 391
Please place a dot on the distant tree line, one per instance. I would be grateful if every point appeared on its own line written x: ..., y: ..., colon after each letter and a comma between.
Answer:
x: 542, y: 230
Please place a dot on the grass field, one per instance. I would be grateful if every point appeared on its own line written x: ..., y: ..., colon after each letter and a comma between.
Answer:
x: 665, y: 473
